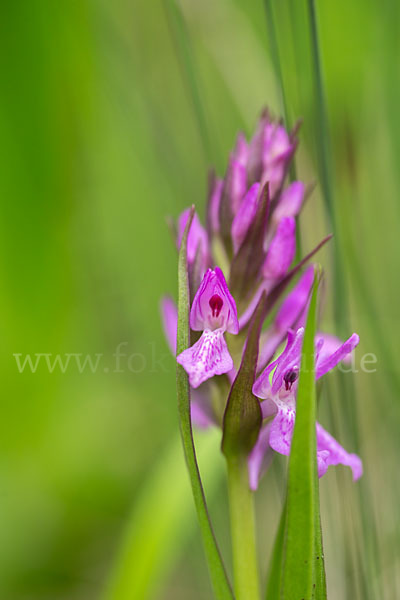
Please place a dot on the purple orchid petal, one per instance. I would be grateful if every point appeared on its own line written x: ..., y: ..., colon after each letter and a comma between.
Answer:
x: 330, y: 343
x: 256, y: 148
x: 200, y: 408
x: 169, y: 314
x: 260, y: 457
x: 209, y: 356
x: 248, y: 313
x: 268, y: 408
x: 244, y: 216
x: 280, y: 438
x: 213, y: 205
x: 269, y: 343
x: 287, y: 316
x: 295, y: 302
x: 241, y: 151
x: 330, y: 361
x: 262, y: 386
x: 290, y: 201
x: 235, y: 183
x: 269, y: 152
x: 213, y: 305
x: 288, y: 360
x: 330, y: 452
x: 282, y: 250
x: 197, y: 237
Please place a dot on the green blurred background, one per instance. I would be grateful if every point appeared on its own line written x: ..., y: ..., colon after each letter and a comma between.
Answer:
x: 111, y: 114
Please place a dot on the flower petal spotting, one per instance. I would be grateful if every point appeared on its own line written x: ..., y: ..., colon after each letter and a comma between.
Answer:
x: 213, y: 312
x: 213, y: 305
x: 209, y: 356
x: 197, y: 238
x: 282, y: 250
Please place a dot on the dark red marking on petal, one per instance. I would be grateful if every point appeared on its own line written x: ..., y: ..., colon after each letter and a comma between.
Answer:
x: 216, y: 303
x: 289, y: 378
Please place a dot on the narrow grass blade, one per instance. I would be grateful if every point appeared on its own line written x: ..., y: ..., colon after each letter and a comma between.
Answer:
x: 303, y: 560
x: 325, y: 165
x: 221, y: 586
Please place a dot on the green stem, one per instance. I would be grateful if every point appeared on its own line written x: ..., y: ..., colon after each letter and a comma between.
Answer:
x: 242, y: 531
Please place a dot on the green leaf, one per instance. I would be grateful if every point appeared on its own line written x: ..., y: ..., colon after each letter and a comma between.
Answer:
x: 303, y: 574
x: 241, y: 426
x: 221, y: 586
x: 297, y: 564
x: 242, y: 418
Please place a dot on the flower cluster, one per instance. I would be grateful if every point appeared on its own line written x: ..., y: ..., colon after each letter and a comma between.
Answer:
x: 251, y: 232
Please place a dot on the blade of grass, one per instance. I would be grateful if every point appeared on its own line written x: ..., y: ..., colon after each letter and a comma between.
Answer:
x: 303, y: 572
x: 219, y: 578
x: 324, y: 161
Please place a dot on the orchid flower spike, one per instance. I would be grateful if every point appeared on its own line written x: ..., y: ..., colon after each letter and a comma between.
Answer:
x: 277, y: 386
x: 213, y: 312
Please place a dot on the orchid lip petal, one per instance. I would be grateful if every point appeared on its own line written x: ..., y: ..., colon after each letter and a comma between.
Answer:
x: 209, y: 356
x: 282, y: 427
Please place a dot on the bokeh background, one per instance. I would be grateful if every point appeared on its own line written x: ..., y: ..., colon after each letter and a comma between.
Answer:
x: 111, y: 114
